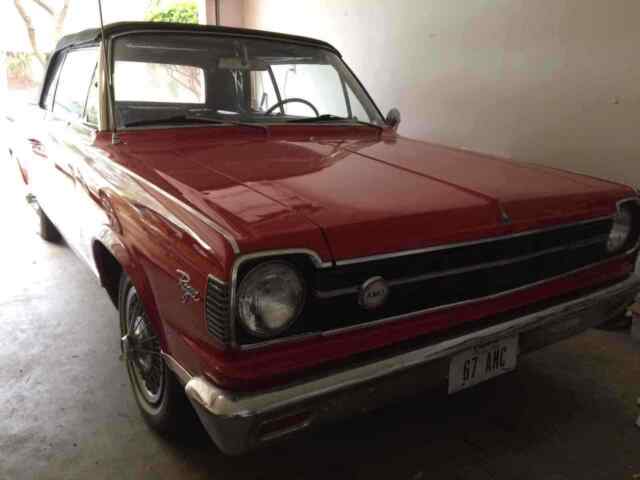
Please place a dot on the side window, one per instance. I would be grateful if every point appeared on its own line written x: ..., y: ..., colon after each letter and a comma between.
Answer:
x: 73, y: 83
x: 92, y: 110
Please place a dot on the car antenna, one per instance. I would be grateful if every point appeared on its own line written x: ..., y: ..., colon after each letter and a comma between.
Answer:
x: 114, y: 136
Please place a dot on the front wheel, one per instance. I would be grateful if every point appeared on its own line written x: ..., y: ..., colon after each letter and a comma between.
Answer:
x: 158, y: 393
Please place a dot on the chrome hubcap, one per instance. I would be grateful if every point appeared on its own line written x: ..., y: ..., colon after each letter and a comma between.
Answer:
x: 141, y: 349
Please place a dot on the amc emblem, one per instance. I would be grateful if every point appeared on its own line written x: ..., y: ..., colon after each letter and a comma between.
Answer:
x: 373, y: 293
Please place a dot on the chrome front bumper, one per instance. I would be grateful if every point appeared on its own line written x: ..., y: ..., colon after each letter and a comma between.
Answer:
x: 238, y: 422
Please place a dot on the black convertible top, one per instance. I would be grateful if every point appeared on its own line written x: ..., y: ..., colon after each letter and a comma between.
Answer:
x: 94, y: 35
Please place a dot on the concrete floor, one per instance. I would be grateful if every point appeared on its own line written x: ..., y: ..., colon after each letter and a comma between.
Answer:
x: 66, y: 410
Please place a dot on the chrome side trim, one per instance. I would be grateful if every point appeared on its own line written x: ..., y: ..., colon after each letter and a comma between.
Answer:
x: 204, y: 219
x: 382, y: 321
x: 448, y: 246
x: 168, y: 217
x: 456, y: 271
x: 228, y: 405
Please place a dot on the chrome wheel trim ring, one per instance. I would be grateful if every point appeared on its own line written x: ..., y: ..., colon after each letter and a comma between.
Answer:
x: 147, y: 367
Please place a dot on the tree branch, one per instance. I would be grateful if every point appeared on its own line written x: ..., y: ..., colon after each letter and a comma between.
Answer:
x: 31, y: 31
x: 60, y: 18
x: 46, y: 7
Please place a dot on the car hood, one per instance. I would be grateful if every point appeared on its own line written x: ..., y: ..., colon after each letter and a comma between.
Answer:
x: 369, y: 195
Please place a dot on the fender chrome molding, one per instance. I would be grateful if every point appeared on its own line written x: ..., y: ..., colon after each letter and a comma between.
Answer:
x: 201, y: 217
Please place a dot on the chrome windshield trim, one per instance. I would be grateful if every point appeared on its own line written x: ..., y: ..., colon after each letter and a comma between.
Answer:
x: 456, y: 271
x: 447, y: 246
x: 381, y: 321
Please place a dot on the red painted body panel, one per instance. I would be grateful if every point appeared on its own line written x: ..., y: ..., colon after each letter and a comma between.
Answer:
x: 342, y: 192
x: 368, y: 195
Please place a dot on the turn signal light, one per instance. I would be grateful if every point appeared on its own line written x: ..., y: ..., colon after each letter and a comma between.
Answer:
x: 281, y: 426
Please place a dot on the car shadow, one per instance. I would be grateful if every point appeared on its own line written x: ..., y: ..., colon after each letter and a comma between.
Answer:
x: 467, y: 434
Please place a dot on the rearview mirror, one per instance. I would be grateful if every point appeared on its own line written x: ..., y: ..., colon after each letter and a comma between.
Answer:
x: 393, y: 118
x: 236, y: 63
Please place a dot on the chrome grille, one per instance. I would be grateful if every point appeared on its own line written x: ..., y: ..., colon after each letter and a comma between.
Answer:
x: 449, y: 275
x: 217, y: 309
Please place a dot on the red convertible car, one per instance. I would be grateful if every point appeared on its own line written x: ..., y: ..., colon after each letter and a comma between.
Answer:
x: 278, y: 254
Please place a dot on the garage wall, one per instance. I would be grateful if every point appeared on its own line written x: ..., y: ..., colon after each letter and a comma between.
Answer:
x: 551, y: 81
x: 232, y: 13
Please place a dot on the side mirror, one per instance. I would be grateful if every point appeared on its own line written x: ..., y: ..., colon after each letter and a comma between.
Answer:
x: 393, y: 118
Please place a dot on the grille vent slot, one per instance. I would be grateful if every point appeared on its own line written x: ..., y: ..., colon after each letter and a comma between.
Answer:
x: 217, y: 309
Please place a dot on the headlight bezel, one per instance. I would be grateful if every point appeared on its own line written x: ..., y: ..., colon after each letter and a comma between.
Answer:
x: 265, y: 333
x: 631, y: 209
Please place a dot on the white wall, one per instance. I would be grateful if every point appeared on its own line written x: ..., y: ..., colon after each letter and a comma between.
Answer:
x: 550, y: 81
x: 232, y: 13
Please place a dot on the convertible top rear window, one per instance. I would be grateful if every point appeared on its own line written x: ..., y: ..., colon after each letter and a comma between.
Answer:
x: 226, y: 78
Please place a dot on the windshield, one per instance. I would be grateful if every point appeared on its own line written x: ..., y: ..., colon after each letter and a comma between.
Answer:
x: 165, y: 77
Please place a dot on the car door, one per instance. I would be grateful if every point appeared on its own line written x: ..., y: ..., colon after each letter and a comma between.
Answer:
x: 91, y: 216
x: 67, y: 135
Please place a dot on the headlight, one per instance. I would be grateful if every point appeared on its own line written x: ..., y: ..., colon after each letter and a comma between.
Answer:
x: 270, y: 298
x: 621, y: 230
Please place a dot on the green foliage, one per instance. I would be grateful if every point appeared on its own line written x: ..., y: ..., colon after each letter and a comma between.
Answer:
x: 184, y: 12
x: 19, y: 63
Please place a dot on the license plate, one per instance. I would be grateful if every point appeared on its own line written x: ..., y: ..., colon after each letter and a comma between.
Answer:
x: 482, y: 363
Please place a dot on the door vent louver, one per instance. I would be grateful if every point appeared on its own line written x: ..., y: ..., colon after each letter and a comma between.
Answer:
x: 217, y: 309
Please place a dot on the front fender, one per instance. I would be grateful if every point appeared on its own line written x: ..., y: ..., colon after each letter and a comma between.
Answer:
x: 108, y: 247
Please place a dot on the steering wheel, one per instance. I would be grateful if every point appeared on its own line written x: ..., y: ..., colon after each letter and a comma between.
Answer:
x: 292, y: 100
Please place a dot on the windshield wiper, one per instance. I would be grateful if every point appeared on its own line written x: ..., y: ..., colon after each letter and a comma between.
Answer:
x: 333, y: 118
x: 193, y: 119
